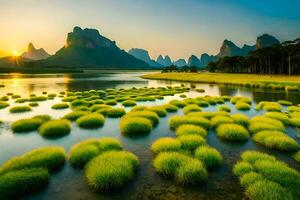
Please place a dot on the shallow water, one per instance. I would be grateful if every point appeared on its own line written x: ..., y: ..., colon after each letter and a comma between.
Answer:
x: 69, y: 183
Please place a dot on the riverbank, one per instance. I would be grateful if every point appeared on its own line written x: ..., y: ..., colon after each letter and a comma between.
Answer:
x: 250, y: 80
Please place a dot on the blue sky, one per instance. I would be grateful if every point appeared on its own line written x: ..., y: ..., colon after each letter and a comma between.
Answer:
x: 177, y: 28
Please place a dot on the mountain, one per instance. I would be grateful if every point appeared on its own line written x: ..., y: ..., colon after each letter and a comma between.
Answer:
x: 86, y: 48
x: 180, y: 62
x: 13, y: 61
x: 143, y: 54
x: 35, y: 54
x: 266, y: 40
x: 205, y: 59
x: 228, y: 48
x: 194, y: 61
x: 164, y: 61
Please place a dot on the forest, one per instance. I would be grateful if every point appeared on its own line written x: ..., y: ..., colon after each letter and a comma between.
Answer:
x: 278, y: 59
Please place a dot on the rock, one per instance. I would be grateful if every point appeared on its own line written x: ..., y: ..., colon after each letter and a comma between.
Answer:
x: 266, y: 40
x: 143, y: 54
x: 180, y: 63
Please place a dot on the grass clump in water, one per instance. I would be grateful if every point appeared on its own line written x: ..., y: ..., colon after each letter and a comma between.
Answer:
x: 111, y: 170
x: 269, y: 178
x: 83, y: 152
x: 185, y: 169
x: 170, y: 107
x: 115, y: 112
x: 177, y: 103
x: 219, y: 120
x: 72, y: 116
x: 242, y: 106
x: 276, y: 140
x: 26, y: 125
x: 159, y: 110
x: 3, y: 104
x: 23, y: 175
x: 152, y: 116
x: 269, y: 106
x: 293, y: 109
x: 191, y: 108
x: 189, y: 129
x: 191, y: 142
x: 91, y: 121
x: 240, y: 119
x: 55, y: 128
x: 225, y: 108
x: 260, y: 123
x: 279, y: 116
x: 232, y: 132
x: 19, y: 109
x: 176, y: 121
x: 129, y: 103
x: 285, y: 103
x: 60, y: 106
x: 166, y: 144
x: 135, y: 126
x: 209, y: 156
x: 296, y: 156
x: 33, y: 104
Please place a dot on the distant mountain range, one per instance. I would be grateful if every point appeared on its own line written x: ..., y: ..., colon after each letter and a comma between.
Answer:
x: 87, y: 48
x: 35, y: 54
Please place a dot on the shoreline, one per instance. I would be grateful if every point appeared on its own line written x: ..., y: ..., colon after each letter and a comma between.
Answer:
x: 248, y: 80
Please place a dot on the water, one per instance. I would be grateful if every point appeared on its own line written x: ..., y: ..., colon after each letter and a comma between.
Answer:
x: 69, y: 183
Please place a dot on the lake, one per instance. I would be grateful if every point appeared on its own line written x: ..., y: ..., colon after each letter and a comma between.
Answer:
x: 69, y: 183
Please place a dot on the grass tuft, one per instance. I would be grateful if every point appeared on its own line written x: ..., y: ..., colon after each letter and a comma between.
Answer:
x: 209, y: 156
x: 60, y: 106
x: 135, y: 126
x: 19, y: 109
x: 232, y: 132
x: 55, y: 128
x: 176, y: 121
x: 189, y: 129
x: 91, y: 121
x: 165, y: 144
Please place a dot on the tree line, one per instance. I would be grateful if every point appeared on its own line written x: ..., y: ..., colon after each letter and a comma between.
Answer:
x: 277, y: 59
x: 174, y: 68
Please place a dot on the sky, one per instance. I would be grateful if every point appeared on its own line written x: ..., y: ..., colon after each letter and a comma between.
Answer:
x: 178, y: 28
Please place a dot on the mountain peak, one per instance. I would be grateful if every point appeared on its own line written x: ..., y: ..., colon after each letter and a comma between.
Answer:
x: 35, y: 54
x: 143, y: 55
x: 266, y: 40
x: 164, y: 61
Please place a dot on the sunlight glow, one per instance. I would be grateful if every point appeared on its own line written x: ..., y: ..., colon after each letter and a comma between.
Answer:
x: 15, y: 53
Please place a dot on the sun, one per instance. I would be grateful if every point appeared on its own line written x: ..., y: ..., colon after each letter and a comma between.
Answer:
x: 15, y: 53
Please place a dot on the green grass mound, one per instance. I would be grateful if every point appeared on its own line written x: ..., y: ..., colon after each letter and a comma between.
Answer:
x: 55, y: 128
x: 3, y: 104
x: 264, y: 189
x: 265, y: 177
x: 296, y: 156
x: 276, y: 140
x: 33, y: 104
x: 170, y: 108
x: 97, y: 107
x: 19, y: 109
x: 83, y: 152
x: 205, y: 114
x: 111, y: 171
x: 152, y: 116
x: 185, y: 169
x: 279, y: 116
x: 166, y: 144
x: 225, y: 108
x: 189, y: 129
x: 269, y: 106
x: 191, y: 142
x: 293, y: 108
x: 240, y: 119
x: 135, y: 126
x: 285, y: 103
x: 26, y: 125
x: 60, y: 106
x: 91, y: 121
x: 111, y: 102
x: 242, y: 106
x: 219, y: 120
x: 177, y: 103
x: 232, y: 132
x: 20, y: 183
x: 129, y: 103
x: 159, y: 110
x: 295, y: 122
x: 72, y: 116
x: 259, y: 123
x: 237, y: 99
x: 115, y: 112
x: 176, y: 121
x: 191, y: 108
x: 209, y: 156
x: 42, y: 117
x: 249, y: 178
x: 49, y: 158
